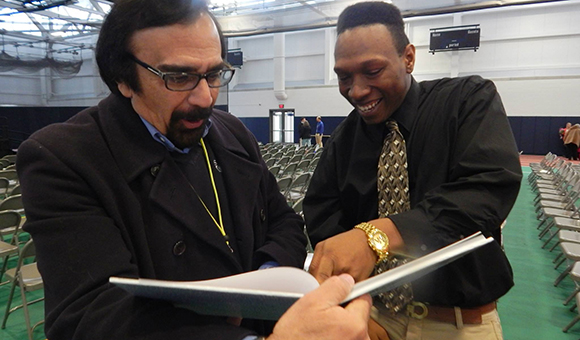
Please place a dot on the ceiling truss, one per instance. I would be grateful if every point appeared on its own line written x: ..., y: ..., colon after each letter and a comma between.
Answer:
x: 66, y: 24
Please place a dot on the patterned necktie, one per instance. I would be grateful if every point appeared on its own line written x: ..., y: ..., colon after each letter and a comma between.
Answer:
x: 393, y: 191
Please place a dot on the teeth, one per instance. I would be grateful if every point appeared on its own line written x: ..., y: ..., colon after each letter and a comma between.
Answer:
x: 368, y: 107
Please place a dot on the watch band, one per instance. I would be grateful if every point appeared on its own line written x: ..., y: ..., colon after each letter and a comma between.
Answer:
x: 377, y: 240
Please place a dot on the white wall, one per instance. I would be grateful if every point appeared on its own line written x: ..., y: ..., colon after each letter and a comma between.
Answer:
x: 532, y: 53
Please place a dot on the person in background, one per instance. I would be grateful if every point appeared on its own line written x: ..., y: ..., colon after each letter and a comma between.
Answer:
x: 457, y: 152
x: 572, y: 141
x: 153, y: 182
x: 319, y: 132
x: 562, y: 131
x: 304, y: 132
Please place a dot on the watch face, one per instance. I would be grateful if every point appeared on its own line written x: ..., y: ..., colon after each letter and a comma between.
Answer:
x: 380, y: 241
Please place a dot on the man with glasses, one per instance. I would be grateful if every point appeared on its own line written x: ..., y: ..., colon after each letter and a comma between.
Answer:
x: 155, y: 183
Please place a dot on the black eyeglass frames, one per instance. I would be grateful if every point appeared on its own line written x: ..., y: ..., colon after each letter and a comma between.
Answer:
x: 183, y: 81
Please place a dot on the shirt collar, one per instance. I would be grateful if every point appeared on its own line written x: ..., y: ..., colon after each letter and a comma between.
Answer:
x: 407, y: 112
x: 159, y: 137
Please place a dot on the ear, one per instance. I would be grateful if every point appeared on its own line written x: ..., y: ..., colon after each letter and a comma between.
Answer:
x: 409, y: 57
x: 125, y: 90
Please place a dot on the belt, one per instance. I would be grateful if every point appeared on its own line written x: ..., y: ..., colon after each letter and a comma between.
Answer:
x: 470, y: 316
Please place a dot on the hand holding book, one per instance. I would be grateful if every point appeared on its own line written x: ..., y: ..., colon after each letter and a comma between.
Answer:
x: 267, y: 294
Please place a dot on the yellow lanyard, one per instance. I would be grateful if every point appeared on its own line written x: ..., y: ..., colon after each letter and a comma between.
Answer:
x: 220, y: 225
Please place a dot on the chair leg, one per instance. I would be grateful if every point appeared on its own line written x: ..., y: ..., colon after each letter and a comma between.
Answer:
x: 554, y: 246
x: 563, y: 275
x: 9, y: 303
x: 572, y: 323
x: 560, y: 262
x: 4, y: 267
x: 547, y: 229
x: 541, y: 224
x: 25, y: 308
x: 549, y: 239
x: 557, y: 258
x: 571, y: 296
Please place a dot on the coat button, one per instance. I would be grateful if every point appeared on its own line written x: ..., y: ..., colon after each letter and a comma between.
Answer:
x: 262, y: 215
x: 179, y: 248
x: 155, y: 170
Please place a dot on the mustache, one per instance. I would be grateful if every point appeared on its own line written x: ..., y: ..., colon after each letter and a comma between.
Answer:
x: 192, y: 115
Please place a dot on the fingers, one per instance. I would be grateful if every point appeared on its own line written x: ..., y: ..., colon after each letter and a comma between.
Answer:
x: 318, y: 315
x: 322, y: 266
x: 361, y: 306
x: 347, y: 252
x: 333, y: 291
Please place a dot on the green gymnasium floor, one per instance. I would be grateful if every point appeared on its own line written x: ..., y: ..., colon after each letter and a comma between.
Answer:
x: 531, y: 310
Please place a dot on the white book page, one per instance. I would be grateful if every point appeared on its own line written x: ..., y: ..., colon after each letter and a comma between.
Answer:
x: 267, y: 294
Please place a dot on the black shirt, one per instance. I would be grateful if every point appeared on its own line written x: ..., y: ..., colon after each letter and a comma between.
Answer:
x: 464, y: 177
x: 304, y: 130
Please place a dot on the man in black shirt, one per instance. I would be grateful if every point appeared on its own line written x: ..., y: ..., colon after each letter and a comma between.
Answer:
x: 304, y: 131
x: 464, y: 176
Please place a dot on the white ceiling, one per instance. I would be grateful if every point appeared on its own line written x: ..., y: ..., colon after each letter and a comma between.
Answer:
x: 63, y: 29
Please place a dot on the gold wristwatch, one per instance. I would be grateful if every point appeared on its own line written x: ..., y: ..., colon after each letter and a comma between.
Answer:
x: 378, y: 240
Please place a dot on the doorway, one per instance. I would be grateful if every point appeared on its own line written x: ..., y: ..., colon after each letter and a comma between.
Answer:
x: 282, y: 126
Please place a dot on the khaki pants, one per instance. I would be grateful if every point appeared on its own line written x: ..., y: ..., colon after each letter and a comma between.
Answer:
x: 402, y: 327
x: 318, y: 138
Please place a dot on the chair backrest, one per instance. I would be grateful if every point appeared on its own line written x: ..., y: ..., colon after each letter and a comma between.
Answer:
x: 300, y: 184
x: 10, y: 158
x: 9, y: 174
x: 4, y: 185
x: 313, y: 164
x: 270, y: 162
x: 283, y: 161
x: 275, y: 170
x: 303, y: 165
x: 295, y: 159
x: 277, y: 155
x: 29, y: 250
x: 289, y: 170
x: 15, y: 190
x: 12, y: 203
x: 10, y: 219
x: 10, y: 226
x: 297, y: 206
x: 283, y: 184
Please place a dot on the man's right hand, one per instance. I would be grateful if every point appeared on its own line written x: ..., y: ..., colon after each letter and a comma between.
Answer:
x: 318, y: 316
x: 347, y: 252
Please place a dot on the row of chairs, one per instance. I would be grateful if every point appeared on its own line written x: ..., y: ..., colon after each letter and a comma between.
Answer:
x: 283, y: 160
x: 294, y: 169
x: 556, y: 183
x: 8, y: 162
x: 27, y: 278
x: 24, y: 275
x: 294, y: 189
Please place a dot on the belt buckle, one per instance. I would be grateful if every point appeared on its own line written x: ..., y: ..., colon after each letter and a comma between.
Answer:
x: 412, y: 307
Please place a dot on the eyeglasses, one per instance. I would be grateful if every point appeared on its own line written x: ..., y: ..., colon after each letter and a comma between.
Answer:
x: 183, y: 81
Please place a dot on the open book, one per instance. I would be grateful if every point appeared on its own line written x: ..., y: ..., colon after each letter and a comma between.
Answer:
x: 267, y: 294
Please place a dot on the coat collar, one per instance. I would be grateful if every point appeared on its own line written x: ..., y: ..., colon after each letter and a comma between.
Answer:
x: 136, y: 153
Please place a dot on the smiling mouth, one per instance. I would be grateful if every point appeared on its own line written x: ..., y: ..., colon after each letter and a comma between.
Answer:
x: 364, y: 109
